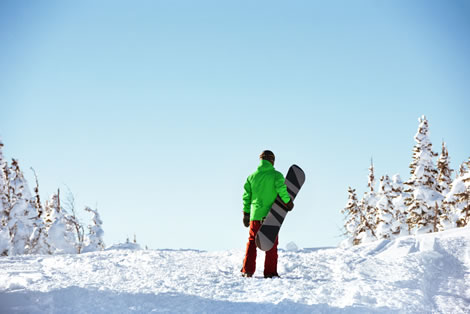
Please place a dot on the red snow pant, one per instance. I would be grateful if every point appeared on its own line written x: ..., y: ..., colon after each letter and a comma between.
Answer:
x: 270, y: 261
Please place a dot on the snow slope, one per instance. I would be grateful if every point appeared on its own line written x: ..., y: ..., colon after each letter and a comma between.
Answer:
x: 423, y: 274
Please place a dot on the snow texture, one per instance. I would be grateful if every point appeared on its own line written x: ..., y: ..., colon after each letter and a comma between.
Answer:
x: 427, y: 273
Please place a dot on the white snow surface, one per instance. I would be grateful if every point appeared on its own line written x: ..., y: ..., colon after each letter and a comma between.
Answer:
x: 415, y: 274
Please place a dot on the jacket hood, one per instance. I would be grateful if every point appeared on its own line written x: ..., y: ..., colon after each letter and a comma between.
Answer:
x: 265, y: 165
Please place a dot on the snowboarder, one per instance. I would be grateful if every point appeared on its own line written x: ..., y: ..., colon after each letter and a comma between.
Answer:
x: 260, y: 191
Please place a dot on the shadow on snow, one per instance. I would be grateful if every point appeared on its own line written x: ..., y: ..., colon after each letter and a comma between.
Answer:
x: 81, y: 300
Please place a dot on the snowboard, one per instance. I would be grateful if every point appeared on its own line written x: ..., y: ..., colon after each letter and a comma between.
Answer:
x: 269, y: 230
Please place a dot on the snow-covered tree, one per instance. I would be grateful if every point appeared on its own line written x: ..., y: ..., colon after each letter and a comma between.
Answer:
x: 4, y: 205
x: 444, y: 177
x: 369, y: 207
x: 401, y: 210
x: 94, y: 240
x: 423, y: 185
x: 38, y: 242
x: 353, y: 219
x: 464, y: 199
x: 431, y: 201
x: 385, y: 210
x: 444, y: 180
x: 366, y: 219
x: 27, y: 227
x: 366, y: 229
x: 371, y: 182
x: 22, y: 211
x: 464, y: 167
x: 458, y: 203
x: 60, y: 233
x: 73, y: 220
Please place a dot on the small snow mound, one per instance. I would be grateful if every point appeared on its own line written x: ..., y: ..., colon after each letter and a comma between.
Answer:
x: 16, y: 283
x: 125, y: 246
x: 291, y: 246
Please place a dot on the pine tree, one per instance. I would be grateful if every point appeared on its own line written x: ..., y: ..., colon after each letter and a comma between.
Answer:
x: 458, y: 202
x: 400, y: 214
x: 73, y: 220
x: 51, y: 210
x: 444, y: 177
x: 368, y: 210
x: 371, y: 182
x: 366, y: 218
x: 369, y: 207
x: 462, y: 169
x: 464, y: 199
x: 60, y: 233
x: 4, y: 205
x: 444, y: 180
x: 25, y: 226
x: 38, y: 243
x: 352, y: 212
x: 95, y: 236
x: 366, y: 231
x: 385, y: 210
x: 423, y: 186
x: 22, y: 211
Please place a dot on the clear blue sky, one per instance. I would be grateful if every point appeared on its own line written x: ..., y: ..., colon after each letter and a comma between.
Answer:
x: 156, y: 111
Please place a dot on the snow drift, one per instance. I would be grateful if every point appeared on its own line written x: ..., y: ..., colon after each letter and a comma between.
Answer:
x: 422, y: 274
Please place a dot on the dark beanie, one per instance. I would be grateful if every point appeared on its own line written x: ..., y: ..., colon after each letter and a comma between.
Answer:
x: 267, y: 155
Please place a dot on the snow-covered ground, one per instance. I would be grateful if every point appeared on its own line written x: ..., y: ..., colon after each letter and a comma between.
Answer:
x: 424, y: 274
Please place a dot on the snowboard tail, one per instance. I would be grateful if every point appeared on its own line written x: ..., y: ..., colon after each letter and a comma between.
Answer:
x: 269, y: 230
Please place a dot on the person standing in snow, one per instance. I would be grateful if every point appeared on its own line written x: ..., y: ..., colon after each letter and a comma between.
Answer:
x: 260, y: 192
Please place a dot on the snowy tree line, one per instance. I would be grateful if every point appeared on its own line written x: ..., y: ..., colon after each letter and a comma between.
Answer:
x: 430, y: 201
x: 29, y: 227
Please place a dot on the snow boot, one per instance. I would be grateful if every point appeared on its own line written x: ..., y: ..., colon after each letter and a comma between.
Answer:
x: 273, y: 275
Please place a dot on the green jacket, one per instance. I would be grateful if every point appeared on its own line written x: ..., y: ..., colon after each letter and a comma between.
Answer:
x: 261, y: 189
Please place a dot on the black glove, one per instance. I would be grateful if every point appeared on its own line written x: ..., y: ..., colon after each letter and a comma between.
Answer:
x: 289, y: 205
x: 246, y: 219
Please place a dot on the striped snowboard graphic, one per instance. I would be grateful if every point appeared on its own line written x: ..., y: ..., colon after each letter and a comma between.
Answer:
x: 272, y: 223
